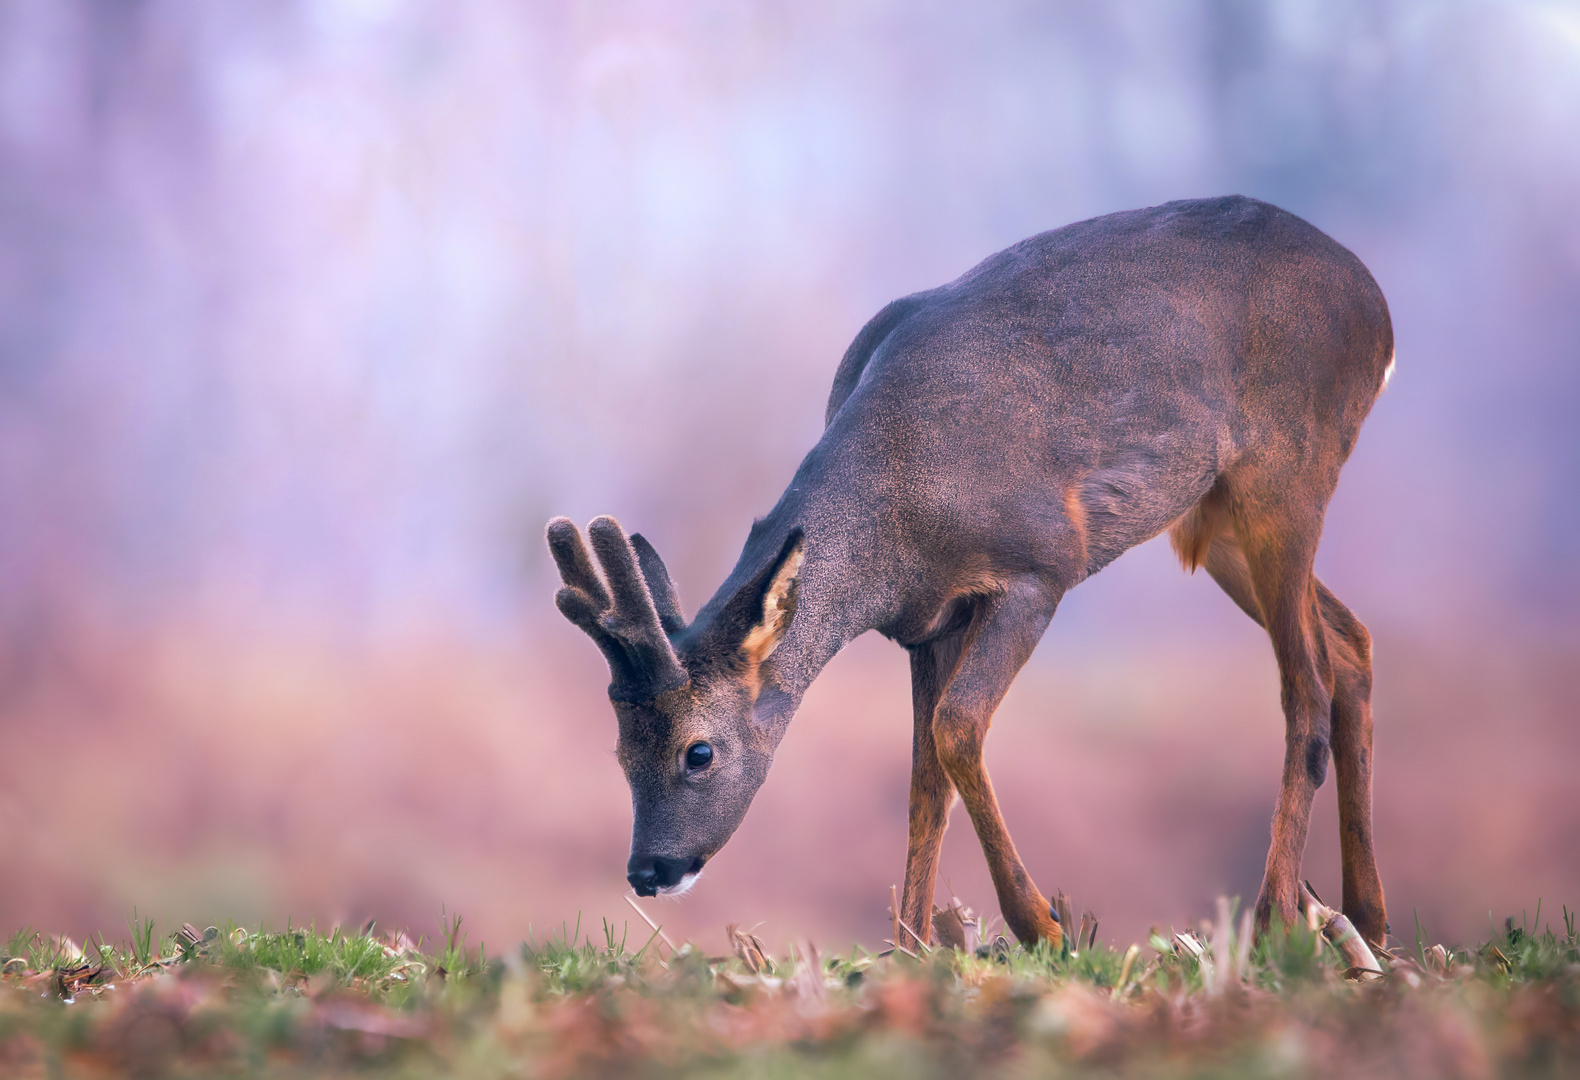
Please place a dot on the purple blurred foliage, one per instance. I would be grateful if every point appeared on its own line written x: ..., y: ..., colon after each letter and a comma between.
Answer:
x: 312, y: 313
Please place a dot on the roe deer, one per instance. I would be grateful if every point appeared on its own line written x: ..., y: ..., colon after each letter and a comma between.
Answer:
x: 1201, y: 367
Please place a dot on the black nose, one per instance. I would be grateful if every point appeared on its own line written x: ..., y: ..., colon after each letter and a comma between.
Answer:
x: 650, y: 873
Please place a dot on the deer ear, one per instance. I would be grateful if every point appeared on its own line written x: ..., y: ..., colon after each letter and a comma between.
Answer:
x: 778, y: 602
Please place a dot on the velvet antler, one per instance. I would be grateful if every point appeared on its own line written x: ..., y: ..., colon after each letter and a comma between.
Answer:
x: 630, y: 619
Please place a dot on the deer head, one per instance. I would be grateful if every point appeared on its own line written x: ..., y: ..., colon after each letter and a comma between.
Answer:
x: 683, y: 696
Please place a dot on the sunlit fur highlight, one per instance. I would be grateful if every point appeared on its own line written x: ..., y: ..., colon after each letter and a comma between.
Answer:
x: 1192, y: 533
x: 778, y: 606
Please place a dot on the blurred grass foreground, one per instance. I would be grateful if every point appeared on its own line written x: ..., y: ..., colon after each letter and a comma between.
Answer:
x: 303, y: 1003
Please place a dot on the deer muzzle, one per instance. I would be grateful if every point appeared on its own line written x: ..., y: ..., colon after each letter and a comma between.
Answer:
x: 650, y: 875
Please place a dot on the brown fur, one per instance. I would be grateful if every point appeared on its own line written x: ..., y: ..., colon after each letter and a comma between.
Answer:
x: 1194, y: 531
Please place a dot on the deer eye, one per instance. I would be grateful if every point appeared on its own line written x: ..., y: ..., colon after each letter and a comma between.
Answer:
x: 699, y: 755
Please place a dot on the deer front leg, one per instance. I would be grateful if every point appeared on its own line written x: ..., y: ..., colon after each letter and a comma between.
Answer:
x: 932, y: 793
x: 1000, y: 640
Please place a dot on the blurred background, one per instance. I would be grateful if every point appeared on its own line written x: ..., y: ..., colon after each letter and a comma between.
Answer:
x: 313, y: 313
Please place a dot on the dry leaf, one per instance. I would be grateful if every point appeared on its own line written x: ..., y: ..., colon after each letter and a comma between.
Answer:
x: 748, y: 949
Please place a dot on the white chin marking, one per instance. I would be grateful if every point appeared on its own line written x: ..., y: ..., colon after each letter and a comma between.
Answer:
x: 1388, y: 371
x: 685, y: 885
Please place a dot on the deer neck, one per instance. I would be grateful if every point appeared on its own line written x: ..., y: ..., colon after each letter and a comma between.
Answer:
x: 842, y: 592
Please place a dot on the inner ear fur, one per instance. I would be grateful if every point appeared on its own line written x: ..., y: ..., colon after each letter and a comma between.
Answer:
x: 761, y: 612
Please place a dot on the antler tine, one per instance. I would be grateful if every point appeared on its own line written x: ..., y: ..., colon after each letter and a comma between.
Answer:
x: 665, y: 598
x: 634, y: 611
x: 634, y: 619
x: 576, y: 568
x: 579, y: 609
x: 584, y: 600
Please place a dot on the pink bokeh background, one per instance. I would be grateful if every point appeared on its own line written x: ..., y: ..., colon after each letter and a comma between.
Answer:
x: 312, y: 314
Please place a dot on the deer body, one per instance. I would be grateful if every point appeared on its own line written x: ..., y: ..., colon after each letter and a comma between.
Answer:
x: 1202, y: 367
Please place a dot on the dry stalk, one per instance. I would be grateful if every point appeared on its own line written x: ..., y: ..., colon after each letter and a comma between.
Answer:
x: 894, y: 910
x: 1187, y: 941
x: 1064, y: 911
x: 920, y: 944
x: 1341, y: 934
x: 807, y: 978
x: 1223, y: 967
x: 1124, y: 972
x: 659, y: 930
x: 1242, y: 947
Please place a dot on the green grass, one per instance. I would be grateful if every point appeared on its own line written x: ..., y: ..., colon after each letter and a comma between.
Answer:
x: 608, y: 1001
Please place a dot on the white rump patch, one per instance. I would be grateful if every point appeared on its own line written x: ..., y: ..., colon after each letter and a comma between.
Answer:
x: 1388, y: 371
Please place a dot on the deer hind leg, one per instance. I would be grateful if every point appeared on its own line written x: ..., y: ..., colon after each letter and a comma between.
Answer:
x: 1263, y: 560
x: 998, y: 642
x: 1349, y: 647
x: 1350, y: 723
x: 932, y: 792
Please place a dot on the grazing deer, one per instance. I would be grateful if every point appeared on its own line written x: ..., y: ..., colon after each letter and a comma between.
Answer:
x: 1201, y: 367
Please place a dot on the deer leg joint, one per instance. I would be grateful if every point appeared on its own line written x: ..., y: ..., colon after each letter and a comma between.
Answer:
x: 958, y: 737
x: 1316, y: 760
